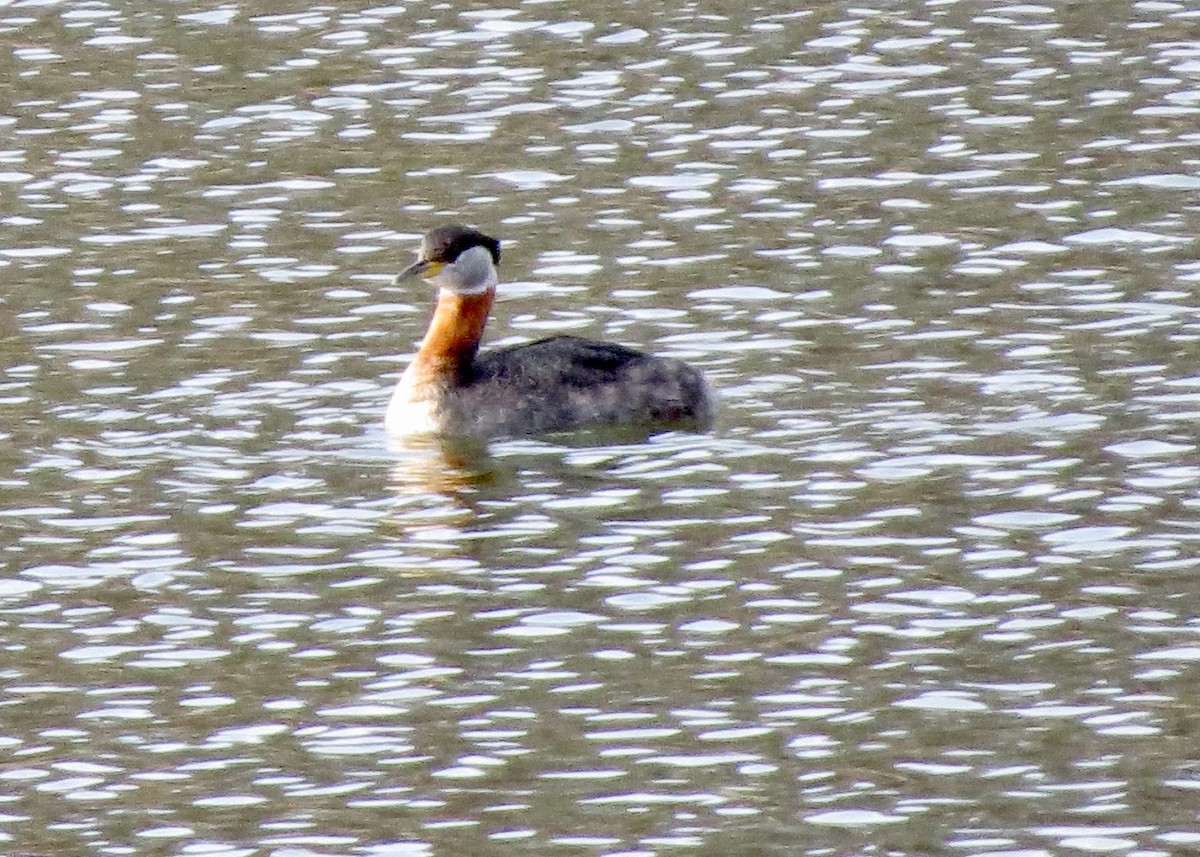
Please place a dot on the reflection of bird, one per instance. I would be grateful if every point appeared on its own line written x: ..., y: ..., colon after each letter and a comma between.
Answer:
x: 557, y: 383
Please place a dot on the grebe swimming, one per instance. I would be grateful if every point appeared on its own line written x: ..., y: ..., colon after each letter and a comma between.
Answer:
x: 561, y: 382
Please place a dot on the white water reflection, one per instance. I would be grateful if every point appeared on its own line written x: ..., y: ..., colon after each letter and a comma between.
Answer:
x: 925, y: 589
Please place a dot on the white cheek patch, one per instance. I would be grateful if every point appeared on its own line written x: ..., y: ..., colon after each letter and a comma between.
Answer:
x: 444, y: 279
x: 472, y: 273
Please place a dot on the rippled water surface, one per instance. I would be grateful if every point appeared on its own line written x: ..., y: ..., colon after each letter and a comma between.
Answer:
x: 931, y: 586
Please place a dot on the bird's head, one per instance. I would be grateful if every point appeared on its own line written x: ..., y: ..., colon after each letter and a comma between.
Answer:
x: 457, y: 258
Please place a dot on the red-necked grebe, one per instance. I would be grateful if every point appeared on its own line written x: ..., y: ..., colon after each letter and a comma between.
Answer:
x: 562, y: 382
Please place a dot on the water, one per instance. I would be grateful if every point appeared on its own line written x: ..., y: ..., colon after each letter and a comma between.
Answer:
x: 928, y: 588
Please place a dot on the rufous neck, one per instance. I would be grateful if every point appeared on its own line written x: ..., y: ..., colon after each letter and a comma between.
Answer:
x: 450, y: 344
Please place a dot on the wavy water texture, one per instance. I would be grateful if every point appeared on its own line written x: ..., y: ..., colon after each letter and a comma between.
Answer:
x: 927, y: 589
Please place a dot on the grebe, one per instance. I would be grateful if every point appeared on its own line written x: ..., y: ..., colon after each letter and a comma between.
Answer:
x: 561, y: 382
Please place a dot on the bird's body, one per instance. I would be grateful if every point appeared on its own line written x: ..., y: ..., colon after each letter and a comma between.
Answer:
x: 562, y: 382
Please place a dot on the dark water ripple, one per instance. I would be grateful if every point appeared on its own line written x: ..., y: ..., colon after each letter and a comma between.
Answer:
x: 926, y: 589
